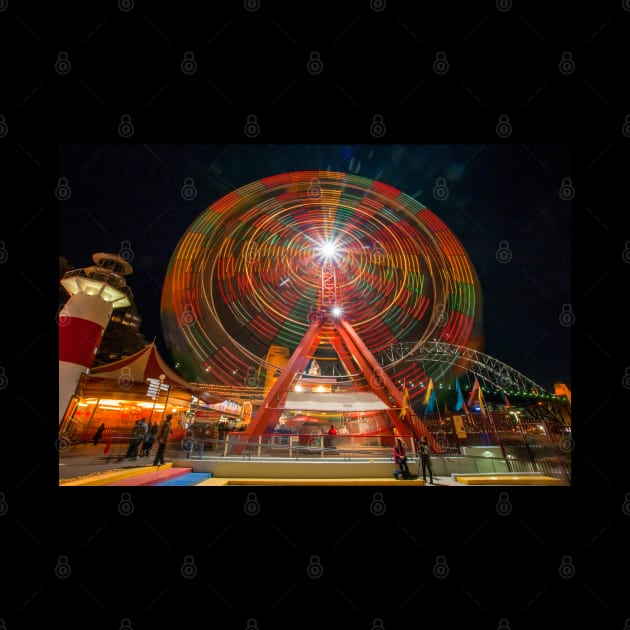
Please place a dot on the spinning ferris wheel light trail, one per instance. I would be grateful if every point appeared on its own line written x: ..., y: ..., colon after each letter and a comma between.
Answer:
x: 267, y: 263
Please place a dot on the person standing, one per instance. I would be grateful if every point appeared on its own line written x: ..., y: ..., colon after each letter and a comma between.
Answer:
x: 134, y: 440
x: 400, y: 457
x: 149, y: 440
x: 424, y: 451
x: 164, y: 433
x: 329, y: 436
x: 140, y: 432
x: 99, y: 434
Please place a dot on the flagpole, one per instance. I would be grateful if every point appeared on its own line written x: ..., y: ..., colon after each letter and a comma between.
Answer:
x: 482, y: 409
x: 499, y: 440
x: 437, y: 406
x: 409, y: 416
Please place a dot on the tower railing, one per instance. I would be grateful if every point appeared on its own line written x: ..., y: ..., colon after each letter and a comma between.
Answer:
x: 108, y: 277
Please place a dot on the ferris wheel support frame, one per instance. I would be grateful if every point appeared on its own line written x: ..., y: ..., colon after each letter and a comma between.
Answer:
x: 268, y: 414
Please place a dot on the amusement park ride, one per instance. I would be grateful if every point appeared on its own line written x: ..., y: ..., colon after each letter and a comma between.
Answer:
x: 335, y: 267
x: 328, y: 322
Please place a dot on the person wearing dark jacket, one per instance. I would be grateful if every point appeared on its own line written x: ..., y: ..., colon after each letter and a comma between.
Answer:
x: 140, y: 429
x: 162, y: 439
x: 99, y: 434
x: 149, y: 439
x: 424, y: 451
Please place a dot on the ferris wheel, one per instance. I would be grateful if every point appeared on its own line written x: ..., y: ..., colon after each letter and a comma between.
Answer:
x: 252, y: 269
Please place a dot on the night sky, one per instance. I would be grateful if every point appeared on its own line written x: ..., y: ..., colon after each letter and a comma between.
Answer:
x: 504, y: 203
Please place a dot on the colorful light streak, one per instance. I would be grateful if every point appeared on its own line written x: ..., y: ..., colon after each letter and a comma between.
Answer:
x: 248, y: 271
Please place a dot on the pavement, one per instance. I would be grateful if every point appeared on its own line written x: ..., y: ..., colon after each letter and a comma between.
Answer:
x: 84, y: 460
x: 81, y: 460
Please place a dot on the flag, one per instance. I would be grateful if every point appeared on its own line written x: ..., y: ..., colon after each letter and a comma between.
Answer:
x: 405, y: 403
x: 430, y: 399
x: 473, y: 393
x: 476, y: 398
x: 482, y: 403
x: 459, y: 403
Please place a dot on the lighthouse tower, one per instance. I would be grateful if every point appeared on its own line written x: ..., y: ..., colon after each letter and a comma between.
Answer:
x: 94, y: 293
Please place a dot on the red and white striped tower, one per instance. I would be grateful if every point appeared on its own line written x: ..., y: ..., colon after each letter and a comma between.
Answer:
x: 94, y: 293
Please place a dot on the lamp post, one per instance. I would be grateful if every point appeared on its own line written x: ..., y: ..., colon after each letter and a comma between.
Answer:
x: 153, y: 391
x: 168, y: 393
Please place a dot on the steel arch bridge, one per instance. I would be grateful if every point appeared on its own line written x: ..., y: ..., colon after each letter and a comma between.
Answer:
x: 487, y: 368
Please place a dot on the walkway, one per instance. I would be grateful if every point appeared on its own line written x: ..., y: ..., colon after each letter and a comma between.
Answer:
x: 86, y: 464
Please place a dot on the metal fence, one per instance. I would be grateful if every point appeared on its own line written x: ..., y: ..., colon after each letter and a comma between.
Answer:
x: 529, y: 446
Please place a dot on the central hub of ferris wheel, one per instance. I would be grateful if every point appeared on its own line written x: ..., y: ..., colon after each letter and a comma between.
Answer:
x: 329, y: 297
